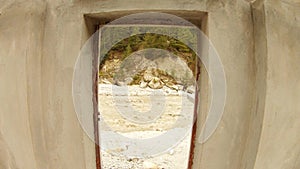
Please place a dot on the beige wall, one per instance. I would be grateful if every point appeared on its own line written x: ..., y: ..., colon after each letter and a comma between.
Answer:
x: 20, y: 58
x: 258, y: 45
x: 279, y: 145
x: 230, y: 30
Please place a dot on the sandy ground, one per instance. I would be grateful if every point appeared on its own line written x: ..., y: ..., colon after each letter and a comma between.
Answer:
x: 132, y: 114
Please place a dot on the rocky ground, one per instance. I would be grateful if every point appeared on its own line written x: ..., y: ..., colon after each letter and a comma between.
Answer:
x: 152, y: 78
x: 175, y: 100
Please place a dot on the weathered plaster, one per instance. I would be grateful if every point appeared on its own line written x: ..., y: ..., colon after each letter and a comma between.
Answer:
x: 279, y: 144
x: 257, y: 43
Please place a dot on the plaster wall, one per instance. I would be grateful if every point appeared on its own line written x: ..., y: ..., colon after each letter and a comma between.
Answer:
x: 279, y: 144
x: 258, y: 46
x: 45, y: 117
x: 20, y: 86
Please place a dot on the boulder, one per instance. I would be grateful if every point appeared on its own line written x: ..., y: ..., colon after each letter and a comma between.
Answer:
x: 155, y: 83
x: 148, y: 76
x: 143, y: 84
x: 105, y: 81
x: 172, y: 86
x: 165, y: 79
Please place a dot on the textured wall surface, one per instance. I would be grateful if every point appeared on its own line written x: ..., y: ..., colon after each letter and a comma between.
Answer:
x: 231, y: 32
x: 279, y: 145
x: 20, y: 91
x: 257, y: 43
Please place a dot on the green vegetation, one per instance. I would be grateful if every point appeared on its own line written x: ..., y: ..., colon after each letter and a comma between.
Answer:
x: 125, y: 47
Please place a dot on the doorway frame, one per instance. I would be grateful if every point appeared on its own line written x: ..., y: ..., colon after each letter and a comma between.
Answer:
x: 198, y: 18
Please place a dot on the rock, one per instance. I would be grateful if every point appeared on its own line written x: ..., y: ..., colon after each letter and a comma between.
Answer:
x: 149, y: 165
x: 180, y: 87
x: 143, y: 84
x: 116, y: 60
x: 128, y: 80
x: 179, y: 82
x: 148, y: 76
x: 105, y: 81
x: 104, y: 68
x: 190, y: 89
x: 155, y: 83
x: 155, y: 72
x: 133, y: 160
x: 118, y: 83
x: 171, y: 152
x: 172, y: 86
x: 164, y: 79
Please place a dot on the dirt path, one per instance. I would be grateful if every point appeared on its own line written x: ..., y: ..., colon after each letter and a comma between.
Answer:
x: 115, y: 109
